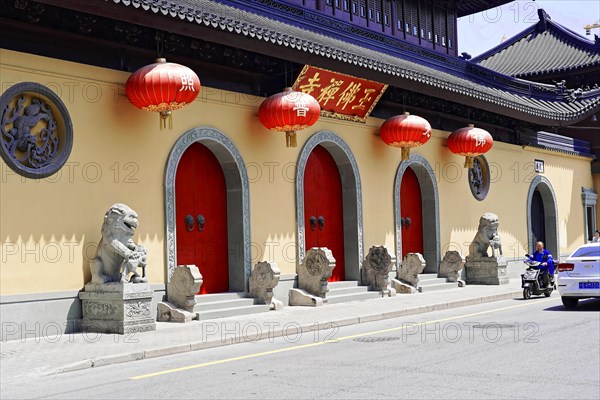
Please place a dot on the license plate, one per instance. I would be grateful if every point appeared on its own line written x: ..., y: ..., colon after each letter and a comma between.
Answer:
x: 589, y: 285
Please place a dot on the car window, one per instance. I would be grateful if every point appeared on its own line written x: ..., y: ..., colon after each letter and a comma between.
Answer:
x: 587, y: 252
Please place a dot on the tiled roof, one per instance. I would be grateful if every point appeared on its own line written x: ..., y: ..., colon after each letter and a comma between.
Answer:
x: 545, y: 47
x: 467, y: 7
x: 435, y: 74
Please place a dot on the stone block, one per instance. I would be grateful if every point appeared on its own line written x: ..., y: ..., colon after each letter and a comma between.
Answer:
x: 486, y: 271
x: 299, y: 297
x: 120, y: 308
x: 401, y: 287
x: 169, y: 313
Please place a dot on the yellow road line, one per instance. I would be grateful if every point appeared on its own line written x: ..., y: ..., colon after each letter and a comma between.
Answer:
x: 305, y: 346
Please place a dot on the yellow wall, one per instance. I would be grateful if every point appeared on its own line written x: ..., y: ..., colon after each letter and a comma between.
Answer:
x: 49, y: 227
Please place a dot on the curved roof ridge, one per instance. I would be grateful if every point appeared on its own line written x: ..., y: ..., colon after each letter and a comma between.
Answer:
x: 543, y: 48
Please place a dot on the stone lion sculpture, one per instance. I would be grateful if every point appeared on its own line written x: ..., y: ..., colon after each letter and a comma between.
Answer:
x: 118, y: 257
x: 487, y: 236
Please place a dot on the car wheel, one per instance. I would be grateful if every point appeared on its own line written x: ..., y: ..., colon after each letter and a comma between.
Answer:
x: 569, y: 302
x: 527, y: 293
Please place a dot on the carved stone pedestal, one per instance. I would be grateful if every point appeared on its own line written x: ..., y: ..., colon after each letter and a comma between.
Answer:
x: 316, y: 268
x: 407, y: 276
x: 263, y: 279
x: 451, y: 266
x: 121, y: 308
x: 375, y: 271
x: 181, y: 295
x: 486, y: 271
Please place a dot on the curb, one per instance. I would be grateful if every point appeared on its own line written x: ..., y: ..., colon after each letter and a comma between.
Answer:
x: 194, y: 346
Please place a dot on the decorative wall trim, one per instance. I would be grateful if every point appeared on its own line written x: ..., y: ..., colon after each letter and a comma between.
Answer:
x: 238, y: 201
x: 550, y: 214
x: 431, y: 210
x: 352, y: 199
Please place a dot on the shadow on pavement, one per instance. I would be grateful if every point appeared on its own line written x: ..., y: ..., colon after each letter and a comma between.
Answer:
x: 583, y: 306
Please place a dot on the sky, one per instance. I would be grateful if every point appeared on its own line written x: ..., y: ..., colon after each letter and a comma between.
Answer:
x: 485, y: 30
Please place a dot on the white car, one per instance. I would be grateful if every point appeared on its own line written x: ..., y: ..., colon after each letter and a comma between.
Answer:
x: 579, y: 275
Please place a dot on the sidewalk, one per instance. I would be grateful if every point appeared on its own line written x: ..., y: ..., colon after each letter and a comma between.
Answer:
x: 71, y: 352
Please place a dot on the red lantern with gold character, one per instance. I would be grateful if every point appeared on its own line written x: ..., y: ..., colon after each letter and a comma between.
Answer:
x: 405, y: 131
x: 162, y: 87
x: 470, y: 142
x: 288, y: 112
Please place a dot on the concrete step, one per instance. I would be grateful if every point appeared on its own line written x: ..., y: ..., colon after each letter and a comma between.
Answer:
x: 232, y: 312
x: 437, y: 286
x: 352, y: 297
x: 342, y: 284
x: 213, y: 297
x: 215, y: 305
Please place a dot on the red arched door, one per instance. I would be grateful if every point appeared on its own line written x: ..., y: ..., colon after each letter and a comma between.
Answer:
x: 411, y: 213
x: 201, y: 217
x: 323, y: 202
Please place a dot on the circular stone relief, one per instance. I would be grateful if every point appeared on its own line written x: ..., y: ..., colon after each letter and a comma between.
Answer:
x: 479, y: 178
x: 36, y: 132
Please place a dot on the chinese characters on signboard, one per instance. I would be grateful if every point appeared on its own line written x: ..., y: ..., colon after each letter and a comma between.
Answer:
x: 339, y: 95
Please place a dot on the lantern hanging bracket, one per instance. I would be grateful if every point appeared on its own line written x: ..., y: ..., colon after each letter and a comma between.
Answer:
x: 160, y: 43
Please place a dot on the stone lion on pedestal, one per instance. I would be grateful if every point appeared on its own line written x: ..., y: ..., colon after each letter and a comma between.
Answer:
x: 118, y: 257
x: 487, y: 236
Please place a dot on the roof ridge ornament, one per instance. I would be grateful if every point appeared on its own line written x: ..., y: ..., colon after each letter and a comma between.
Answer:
x: 543, y: 15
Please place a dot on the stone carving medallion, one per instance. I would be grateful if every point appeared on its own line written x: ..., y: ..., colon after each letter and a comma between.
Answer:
x: 36, y: 133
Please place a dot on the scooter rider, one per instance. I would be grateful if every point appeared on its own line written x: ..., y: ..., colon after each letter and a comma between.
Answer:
x: 547, y: 263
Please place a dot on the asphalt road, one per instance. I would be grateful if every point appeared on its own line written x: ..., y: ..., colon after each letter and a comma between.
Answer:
x: 512, y: 349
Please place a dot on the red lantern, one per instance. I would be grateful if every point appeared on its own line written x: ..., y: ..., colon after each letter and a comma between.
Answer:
x: 470, y: 142
x: 288, y: 112
x: 405, y: 131
x: 162, y: 87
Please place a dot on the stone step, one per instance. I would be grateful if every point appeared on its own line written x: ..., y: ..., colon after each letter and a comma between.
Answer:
x: 432, y: 281
x: 346, y: 290
x: 438, y: 286
x: 352, y: 297
x: 215, y: 305
x: 425, y: 277
x: 342, y: 284
x: 213, y: 297
x: 232, y: 312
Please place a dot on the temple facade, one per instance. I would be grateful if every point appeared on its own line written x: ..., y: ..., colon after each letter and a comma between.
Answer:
x: 220, y: 191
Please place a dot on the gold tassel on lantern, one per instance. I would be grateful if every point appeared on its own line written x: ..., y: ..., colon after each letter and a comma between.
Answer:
x: 290, y: 139
x: 469, y: 162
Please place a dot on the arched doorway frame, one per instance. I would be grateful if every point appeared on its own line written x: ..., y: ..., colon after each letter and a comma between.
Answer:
x: 544, y: 187
x: 238, y: 202
x: 351, y: 199
x: 430, y: 201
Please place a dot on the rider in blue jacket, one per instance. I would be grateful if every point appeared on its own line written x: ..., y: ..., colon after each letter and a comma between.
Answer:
x: 545, y: 257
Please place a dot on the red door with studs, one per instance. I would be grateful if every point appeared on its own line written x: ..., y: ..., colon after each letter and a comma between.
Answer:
x: 323, y: 207
x: 411, y: 213
x: 201, y: 217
